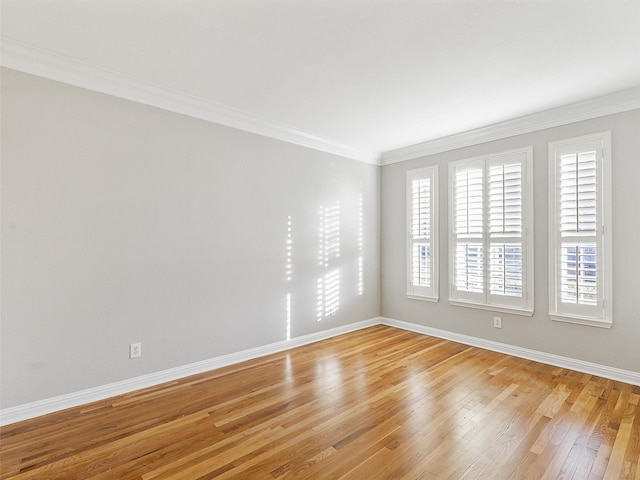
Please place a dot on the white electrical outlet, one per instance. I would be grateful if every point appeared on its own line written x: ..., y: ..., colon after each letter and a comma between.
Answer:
x: 497, y: 322
x: 135, y: 350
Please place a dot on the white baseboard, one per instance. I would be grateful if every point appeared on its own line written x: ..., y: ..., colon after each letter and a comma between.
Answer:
x: 62, y: 402
x: 612, y: 373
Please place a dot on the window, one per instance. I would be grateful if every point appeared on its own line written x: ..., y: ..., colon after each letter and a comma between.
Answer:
x: 579, y: 243
x: 422, y: 227
x: 491, y: 223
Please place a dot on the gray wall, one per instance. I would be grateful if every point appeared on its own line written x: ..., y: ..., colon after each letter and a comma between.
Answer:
x: 618, y: 347
x: 124, y: 223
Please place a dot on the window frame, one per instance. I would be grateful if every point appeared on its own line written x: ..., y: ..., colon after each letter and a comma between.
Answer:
x: 431, y: 293
x: 601, y: 314
x: 486, y: 300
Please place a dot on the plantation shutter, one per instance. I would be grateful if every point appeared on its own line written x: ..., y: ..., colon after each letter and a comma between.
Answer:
x: 580, y: 264
x: 490, y: 218
x: 421, y: 264
x: 578, y: 224
x: 421, y: 232
x: 505, y: 230
x: 468, y: 210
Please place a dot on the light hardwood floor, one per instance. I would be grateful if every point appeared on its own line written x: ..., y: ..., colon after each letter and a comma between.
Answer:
x: 378, y: 403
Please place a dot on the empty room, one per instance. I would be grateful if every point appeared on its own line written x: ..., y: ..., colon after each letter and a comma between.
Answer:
x: 319, y: 239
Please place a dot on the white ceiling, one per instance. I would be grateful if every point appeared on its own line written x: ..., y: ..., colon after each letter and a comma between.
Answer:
x: 375, y: 75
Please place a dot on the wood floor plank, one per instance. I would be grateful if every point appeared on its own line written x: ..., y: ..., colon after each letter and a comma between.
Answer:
x: 378, y: 403
x: 616, y: 461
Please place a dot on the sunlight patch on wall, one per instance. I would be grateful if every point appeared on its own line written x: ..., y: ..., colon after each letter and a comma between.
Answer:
x: 288, y: 316
x: 328, y: 285
x: 289, y: 266
x: 360, y: 245
x: 331, y: 293
x: 329, y: 227
x: 288, y: 274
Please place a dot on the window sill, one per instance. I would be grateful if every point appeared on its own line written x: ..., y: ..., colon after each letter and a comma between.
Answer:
x: 413, y: 296
x: 493, y: 308
x: 591, y: 322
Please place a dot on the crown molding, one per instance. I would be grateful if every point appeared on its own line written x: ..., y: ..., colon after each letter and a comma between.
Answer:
x: 44, y: 63
x: 47, y: 64
x: 618, y: 102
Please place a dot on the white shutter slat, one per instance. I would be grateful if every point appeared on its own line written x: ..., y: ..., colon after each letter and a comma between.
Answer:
x: 468, y: 214
x: 577, y: 186
x: 506, y: 269
x: 505, y: 200
x: 469, y: 267
x: 578, y: 273
x: 505, y: 213
x: 420, y: 231
x: 468, y: 201
x: 420, y: 263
